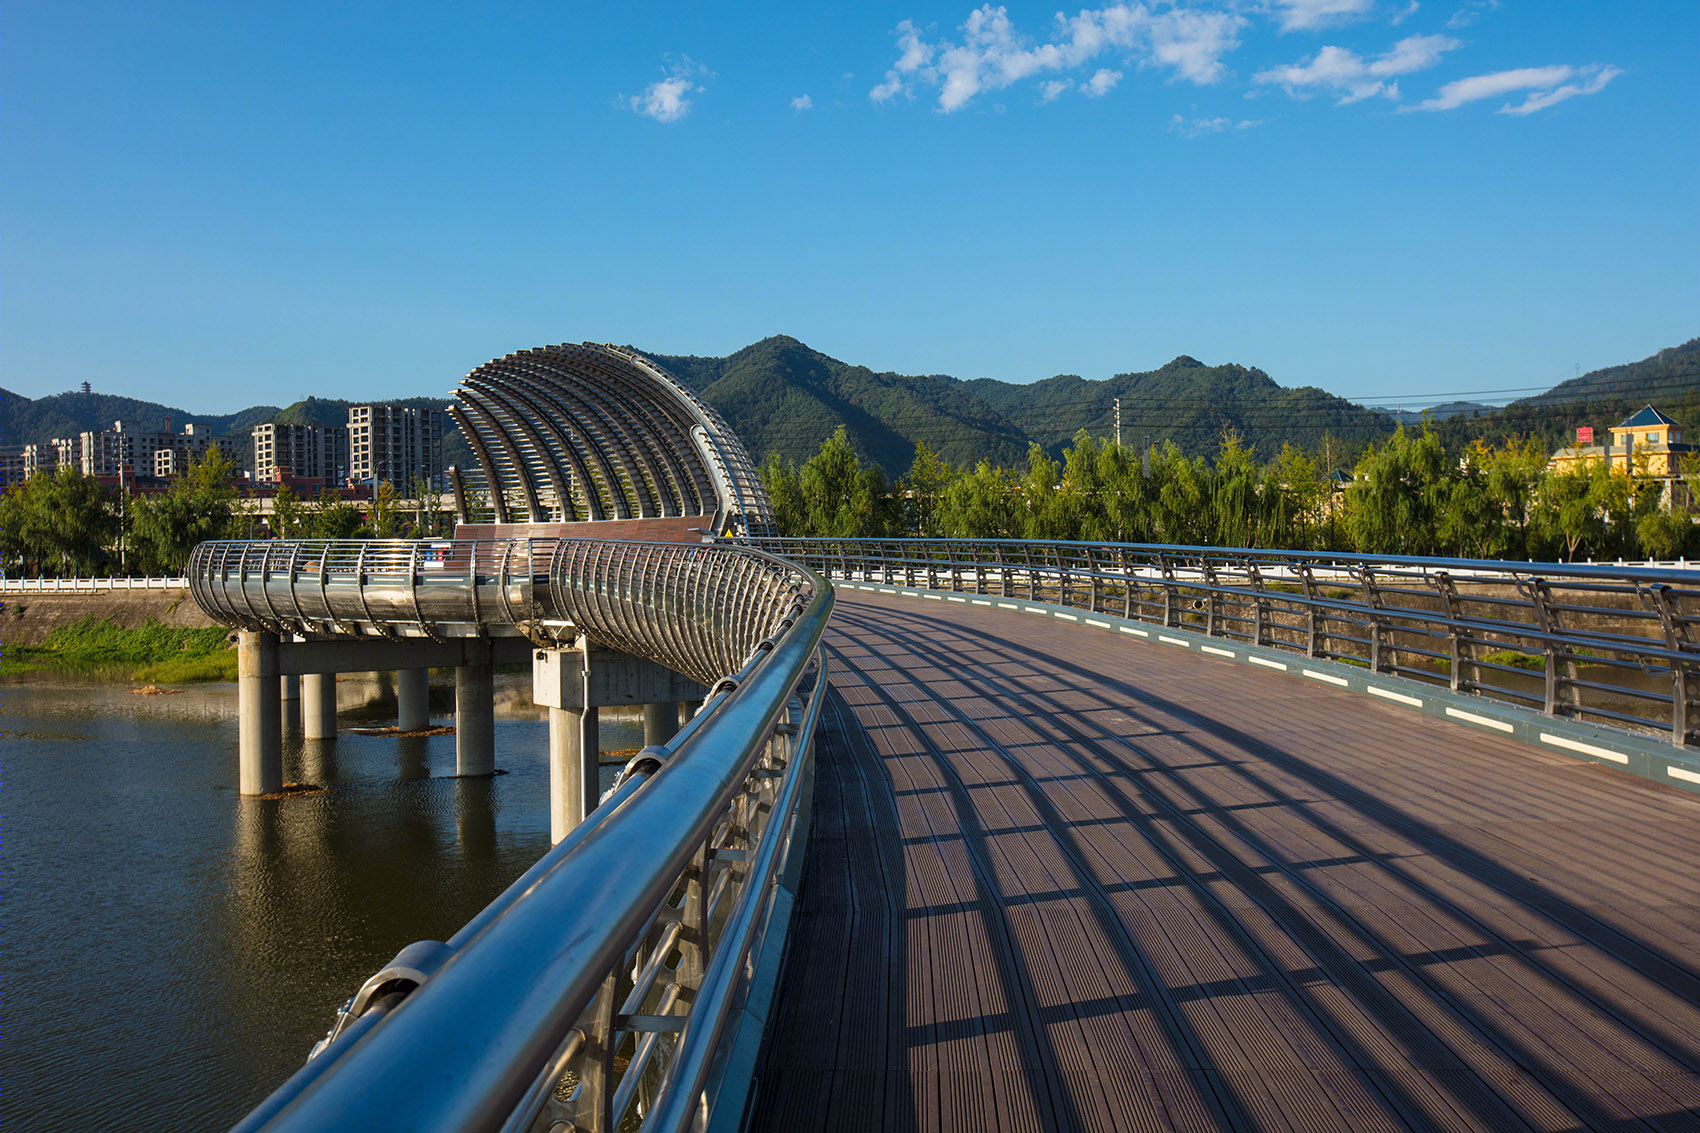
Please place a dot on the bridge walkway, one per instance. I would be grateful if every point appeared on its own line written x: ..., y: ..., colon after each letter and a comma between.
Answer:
x: 1060, y: 879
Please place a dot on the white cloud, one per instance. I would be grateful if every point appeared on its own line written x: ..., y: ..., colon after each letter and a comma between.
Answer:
x: 1472, y: 11
x: 1054, y: 89
x: 1407, y: 13
x: 1101, y: 83
x: 1199, y: 127
x: 668, y: 100
x: 802, y: 102
x: 1194, y: 42
x: 1549, y: 85
x: 916, y: 55
x: 992, y: 55
x: 1305, y: 15
x: 1354, y: 79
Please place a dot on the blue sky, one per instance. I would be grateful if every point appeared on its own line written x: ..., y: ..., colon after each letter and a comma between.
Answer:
x: 220, y: 205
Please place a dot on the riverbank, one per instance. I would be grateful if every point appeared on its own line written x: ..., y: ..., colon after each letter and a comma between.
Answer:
x: 154, y: 636
x: 27, y: 619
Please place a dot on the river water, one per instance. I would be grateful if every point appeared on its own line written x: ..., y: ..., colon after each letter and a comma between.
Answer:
x: 169, y: 950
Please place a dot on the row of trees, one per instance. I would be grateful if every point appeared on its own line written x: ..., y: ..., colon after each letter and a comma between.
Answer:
x: 1408, y: 495
x: 67, y: 524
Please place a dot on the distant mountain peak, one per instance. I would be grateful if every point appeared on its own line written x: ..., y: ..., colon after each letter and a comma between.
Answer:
x: 1185, y: 362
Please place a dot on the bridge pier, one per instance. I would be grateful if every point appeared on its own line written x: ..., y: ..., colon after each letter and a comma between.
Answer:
x: 575, y: 767
x: 573, y: 683
x: 413, y: 700
x: 259, y: 710
x: 475, y: 718
x: 318, y: 706
x: 660, y: 721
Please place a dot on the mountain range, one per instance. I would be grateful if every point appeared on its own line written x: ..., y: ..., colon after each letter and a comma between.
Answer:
x: 780, y: 395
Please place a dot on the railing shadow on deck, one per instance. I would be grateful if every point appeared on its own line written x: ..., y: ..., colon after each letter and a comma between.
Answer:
x: 1128, y: 776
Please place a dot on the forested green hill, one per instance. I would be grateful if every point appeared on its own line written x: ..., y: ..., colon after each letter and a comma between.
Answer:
x: 1186, y: 402
x: 781, y: 396
x: 1668, y: 380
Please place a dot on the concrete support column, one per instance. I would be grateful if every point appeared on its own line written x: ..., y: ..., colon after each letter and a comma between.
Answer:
x: 475, y: 720
x: 413, y: 700
x: 660, y: 722
x: 575, y: 742
x: 259, y: 714
x: 290, y: 688
x: 318, y: 706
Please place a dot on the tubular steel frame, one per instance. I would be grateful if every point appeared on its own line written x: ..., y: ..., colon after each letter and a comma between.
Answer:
x: 592, y: 432
x: 598, y: 989
x: 1618, y: 646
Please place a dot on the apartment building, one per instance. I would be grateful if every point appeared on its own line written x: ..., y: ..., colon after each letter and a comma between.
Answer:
x: 387, y: 443
x: 125, y: 450
x: 313, y: 452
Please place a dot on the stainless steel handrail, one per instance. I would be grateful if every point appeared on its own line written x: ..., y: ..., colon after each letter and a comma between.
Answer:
x: 510, y: 1025
x: 1613, y: 645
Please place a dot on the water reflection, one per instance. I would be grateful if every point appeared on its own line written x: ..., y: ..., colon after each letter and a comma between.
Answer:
x: 182, y: 946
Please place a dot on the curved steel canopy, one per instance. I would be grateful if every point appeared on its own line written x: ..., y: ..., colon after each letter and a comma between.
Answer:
x: 590, y: 432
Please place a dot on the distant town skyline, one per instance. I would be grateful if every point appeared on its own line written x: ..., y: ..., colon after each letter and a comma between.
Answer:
x: 1390, y: 200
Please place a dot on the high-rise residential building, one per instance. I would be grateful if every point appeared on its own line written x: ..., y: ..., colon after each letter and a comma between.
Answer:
x: 316, y: 452
x: 125, y: 450
x: 394, y: 444
x: 12, y: 471
x: 67, y: 450
x: 41, y: 458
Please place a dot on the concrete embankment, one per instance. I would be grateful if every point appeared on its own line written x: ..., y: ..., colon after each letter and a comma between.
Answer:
x: 27, y: 619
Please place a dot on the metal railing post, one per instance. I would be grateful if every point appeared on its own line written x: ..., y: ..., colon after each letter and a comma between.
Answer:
x: 1170, y: 613
x: 1458, y: 648
x: 1313, y: 634
x: 1211, y: 595
x: 1677, y: 639
x: 593, y: 1103
x: 1260, y: 608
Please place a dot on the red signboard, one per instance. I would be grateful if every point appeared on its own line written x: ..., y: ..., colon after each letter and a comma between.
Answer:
x: 1584, y: 434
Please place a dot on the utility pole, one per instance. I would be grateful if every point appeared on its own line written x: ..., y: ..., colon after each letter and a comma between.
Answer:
x: 1148, y: 456
x: 1118, y: 422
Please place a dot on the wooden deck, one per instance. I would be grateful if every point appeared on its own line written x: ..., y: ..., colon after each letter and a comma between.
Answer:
x: 1061, y: 879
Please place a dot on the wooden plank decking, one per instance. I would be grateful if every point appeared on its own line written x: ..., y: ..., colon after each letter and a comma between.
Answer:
x: 1060, y: 879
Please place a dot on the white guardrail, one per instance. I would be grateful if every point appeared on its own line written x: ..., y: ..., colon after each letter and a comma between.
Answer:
x: 87, y: 585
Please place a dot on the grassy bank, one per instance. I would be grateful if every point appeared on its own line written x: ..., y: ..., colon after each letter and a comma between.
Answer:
x: 152, y: 652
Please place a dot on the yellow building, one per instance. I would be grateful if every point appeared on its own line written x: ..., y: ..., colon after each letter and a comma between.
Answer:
x: 1646, y: 445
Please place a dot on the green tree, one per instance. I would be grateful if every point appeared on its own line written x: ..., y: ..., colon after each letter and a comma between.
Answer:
x: 984, y: 504
x: 842, y: 496
x: 920, y: 490
x: 334, y: 518
x: 1395, y: 504
x: 1512, y: 475
x: 1570, y: 509
x: 289, y: 518
x: 1180, y: 493
x: 199, y: 506
x: 1234, y: 502
x: 785, y: 493
x: 1297, y: 482
x: 58, y: 523
x: 1124, y: 512
x: 385, y: 515
x: 1046, y: 512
